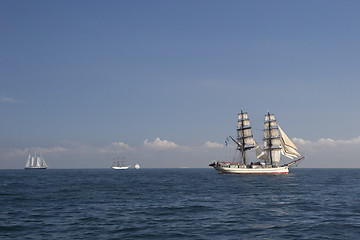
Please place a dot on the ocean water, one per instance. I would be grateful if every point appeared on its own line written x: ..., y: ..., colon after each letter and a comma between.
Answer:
x: 179, y: 204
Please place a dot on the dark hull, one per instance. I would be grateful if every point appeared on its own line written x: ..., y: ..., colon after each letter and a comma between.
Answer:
x: 41, y: 168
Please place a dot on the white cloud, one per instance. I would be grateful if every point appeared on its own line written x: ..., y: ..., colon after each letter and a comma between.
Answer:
x: 114, y: 147
x: 160, y: 144
x: 324, y: 152
x: 301, y: 141
x: 328, y: 142
x: 120, y: 145
x: 50, y: 150
x: 9, y: 100
x: 25, y: 151
x: 73, y: 148
x: 329, y: 152
x: 212, y: 145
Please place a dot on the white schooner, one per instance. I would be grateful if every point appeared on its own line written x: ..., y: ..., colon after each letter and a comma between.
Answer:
x: 276, y: 142
x: 36, y: 162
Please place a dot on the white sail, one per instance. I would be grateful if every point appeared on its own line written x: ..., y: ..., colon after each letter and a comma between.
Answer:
x: 28, y: 162
x: 268, y: 133
x: 272, y: 142
x: 243, y: 115
x: 288, y: 154
x: 286, y: 139
x: 260, y: 154
x: 275, y: 155
x: 245, y: 138
x: 243, y: 123
x: 35, y: 162
x: 268, y: 124
x: 249, y: 141
x: 244, y: 132
x: 43, y: 163
x: 38, y: 162
x: 269, y: 117
x: 288, y: 148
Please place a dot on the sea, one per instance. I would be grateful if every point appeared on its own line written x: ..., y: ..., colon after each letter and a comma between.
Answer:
x: 179, y: 204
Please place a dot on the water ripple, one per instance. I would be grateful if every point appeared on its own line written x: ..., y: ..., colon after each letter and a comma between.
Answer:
x: 179, y: 204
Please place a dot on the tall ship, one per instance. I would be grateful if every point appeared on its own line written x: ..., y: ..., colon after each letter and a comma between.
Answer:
x: 35, y: 162
x: 119, y: 165
x: 276, y: 143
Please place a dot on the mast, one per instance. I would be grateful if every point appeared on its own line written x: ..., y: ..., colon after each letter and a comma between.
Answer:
x: 245, y: 137
x: 272, y: 138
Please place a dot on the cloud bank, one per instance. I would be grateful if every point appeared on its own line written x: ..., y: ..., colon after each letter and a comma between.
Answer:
x: 212, y: 145
x: 330, y: 153
x: 322, y: 153
x: 159, y: 144
x: 328, y: 142
x: 114, y: 147
x: 4, y: 99
x: 32, y: 150
x: 111, y: 148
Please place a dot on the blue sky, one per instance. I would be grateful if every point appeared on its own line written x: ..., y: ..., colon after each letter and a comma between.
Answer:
x: 161, y: 82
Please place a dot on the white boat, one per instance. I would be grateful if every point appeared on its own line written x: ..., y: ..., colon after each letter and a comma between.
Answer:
x: 276, y: 142
x: 119, y: 165
x: 120, y: 168
x: 137, y: 166
x: 35, y: 162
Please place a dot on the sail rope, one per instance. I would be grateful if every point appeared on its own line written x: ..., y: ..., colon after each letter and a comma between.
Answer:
x: 228, y: 152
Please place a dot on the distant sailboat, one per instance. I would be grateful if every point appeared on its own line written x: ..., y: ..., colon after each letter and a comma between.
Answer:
x: 137, y: 166
x: 276, y: 142
x: 119, y: 165
x: 36, y: 162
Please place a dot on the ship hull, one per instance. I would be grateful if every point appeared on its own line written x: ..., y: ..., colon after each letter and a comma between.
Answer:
x: 35, y: 168
x: 265, y: 170
x: 120, y: 168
